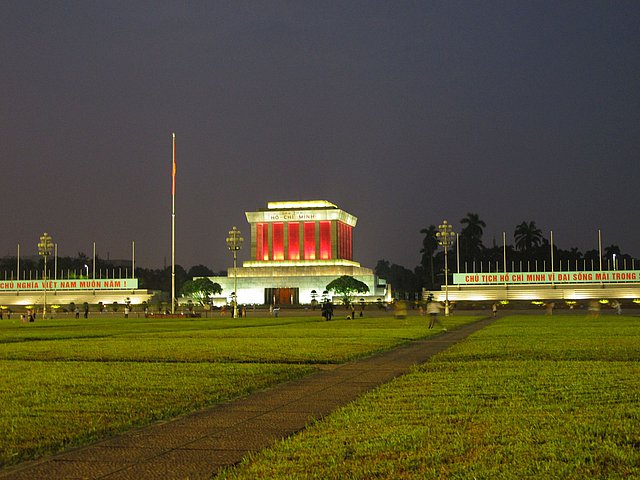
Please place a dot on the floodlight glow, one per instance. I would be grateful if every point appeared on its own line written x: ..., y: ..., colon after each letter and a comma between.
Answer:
x: 301, y: 204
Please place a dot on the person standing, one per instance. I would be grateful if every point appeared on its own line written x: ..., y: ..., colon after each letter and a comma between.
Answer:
x: 494, y: 309
x: 329, y: 310
x: 549, y: 308
x: 433, y: 309
x: 617, y: 306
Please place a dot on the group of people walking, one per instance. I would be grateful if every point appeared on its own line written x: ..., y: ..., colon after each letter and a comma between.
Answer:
x: 327, y: 310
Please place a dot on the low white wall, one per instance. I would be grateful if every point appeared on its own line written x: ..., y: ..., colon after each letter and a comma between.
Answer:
x: 64, y: 298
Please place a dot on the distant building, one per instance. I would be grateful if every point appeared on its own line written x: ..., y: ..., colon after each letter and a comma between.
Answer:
x: 297, y: 248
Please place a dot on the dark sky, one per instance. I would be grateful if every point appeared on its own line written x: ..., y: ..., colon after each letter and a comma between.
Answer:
x: 401, y: 113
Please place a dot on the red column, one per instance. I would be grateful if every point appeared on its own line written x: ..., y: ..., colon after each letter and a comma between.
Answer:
x: 259, y: 245
x: 278, y: 241
x: 342, y: 239
x: 325, y: 240
x: 309, y: 240
x: 294, y: 241
x: 262, y: 241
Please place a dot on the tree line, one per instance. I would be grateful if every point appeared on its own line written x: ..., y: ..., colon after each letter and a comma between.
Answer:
x: 81, y: 266
x: 530, y: 250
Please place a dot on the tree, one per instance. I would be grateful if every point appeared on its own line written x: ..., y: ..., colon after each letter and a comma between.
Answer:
x: 570, y: 258
x: 201, y: 289
x: 612, y: 253
x: 528, y: 237
x: 200, y: 271
x: 474, y: 226
x: 383, y: 269
x: 401, y: 280
x: 471, y: 237
x: 181, y: 277
x: 612, y: 250
x: 429, y: 247
x: 404, y: 282
x: 346, y: 286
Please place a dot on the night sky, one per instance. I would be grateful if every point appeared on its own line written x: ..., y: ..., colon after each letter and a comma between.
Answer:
x: 401, y: 113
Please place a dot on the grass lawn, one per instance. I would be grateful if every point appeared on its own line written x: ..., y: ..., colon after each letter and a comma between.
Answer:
x: 69, y: 382
x: 528, y: 397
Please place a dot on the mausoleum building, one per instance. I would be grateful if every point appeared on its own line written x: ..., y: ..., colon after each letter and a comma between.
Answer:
x: 297, y: 248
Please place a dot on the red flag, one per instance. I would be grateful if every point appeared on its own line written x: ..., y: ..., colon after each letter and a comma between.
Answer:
x: 173, y: 172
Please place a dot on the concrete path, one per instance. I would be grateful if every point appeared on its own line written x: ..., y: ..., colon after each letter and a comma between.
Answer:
x: 196, y: 446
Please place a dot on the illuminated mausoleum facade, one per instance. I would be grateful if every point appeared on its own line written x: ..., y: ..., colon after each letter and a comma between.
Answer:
x: 297, y: 248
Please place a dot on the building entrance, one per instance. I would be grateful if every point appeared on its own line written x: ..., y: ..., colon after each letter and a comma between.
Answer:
x: 281, y: 296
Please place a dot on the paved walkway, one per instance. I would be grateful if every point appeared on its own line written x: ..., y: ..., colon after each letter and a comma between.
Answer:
x: 196, y: 446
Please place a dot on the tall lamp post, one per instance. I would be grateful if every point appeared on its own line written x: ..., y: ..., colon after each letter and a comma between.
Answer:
x: 44, y: 248
x: 445, y: 236
x: 234, y: 242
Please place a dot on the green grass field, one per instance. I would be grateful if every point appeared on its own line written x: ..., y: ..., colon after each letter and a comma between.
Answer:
x: 529, y: 397
x: 69, y: 382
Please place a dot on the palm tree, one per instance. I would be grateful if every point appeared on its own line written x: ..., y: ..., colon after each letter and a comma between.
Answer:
x: 527, y: 237
x: 474, y: 226
x: 611, y: 252
x: 429, y: 247
x: 471, y: 236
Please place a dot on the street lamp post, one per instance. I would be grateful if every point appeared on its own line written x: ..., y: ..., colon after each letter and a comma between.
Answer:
x: 234, y: 242
x: 44, y: 249
x: 445, y: 236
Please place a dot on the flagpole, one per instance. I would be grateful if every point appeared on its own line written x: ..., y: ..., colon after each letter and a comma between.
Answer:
x: 173, y: 228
